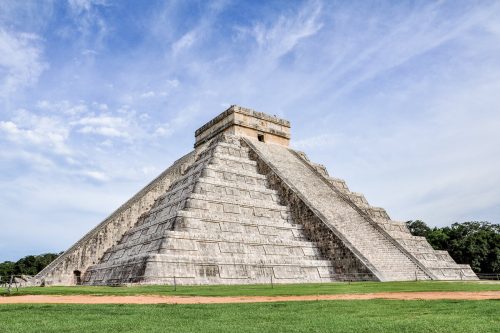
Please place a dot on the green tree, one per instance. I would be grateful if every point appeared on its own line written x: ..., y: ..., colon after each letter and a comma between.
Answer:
x: 474, y: 243
x: 6, y: 270
x: 439, y: 238
x: 29, y: 265
x: 418, y: 228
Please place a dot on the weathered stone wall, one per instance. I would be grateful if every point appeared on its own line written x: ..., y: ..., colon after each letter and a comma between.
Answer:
x: 89, y: 250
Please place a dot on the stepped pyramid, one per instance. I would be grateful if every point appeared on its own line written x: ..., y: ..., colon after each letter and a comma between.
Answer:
x: 241, y: 208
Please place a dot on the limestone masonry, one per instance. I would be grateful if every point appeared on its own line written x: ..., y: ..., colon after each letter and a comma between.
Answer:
x: 244, y: 208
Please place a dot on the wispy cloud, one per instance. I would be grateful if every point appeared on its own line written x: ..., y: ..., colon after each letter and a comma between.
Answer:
x: 98, y: 96
x: 90, y: 27
x: 282, y: 35
x: 184, y: 43
x: 103, y: 125
x: 21, y: 61
x: 44, y: 133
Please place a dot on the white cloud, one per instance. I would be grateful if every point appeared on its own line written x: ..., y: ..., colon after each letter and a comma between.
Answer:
x: 174, y: 83
x: 95, y: 175
x: 63, y: 107
x: 38, y: 161
x: 82, y: 5
x: 184, y: 43
x: 163, y: 131
x: 103, y: 130
x: 317, y: 141
x: 392, y: 98
x: 148, y: 94
x: 105, y: 125
x: 89, y: 27
x: 102, y: 121
x: 287, y: 31
x: 42, y: 132
x: 20, y: 61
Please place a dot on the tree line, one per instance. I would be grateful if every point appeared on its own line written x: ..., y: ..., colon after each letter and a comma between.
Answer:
x: 29, y: 265
x: 474, y: 243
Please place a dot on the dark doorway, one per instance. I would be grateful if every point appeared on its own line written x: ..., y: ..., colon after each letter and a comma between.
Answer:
x: 260, y: 137
x: 78, y: 277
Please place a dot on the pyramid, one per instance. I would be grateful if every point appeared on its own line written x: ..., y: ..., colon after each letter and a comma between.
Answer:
x: 243, y: 208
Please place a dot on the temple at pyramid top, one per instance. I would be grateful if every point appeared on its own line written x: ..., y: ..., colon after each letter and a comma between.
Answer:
x: 237, y: 120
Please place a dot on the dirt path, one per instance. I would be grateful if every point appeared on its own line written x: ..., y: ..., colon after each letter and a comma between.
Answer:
x: 142, y: 299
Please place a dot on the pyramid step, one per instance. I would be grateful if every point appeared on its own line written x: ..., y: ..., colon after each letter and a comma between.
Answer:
x: 232, y: 149
x: 224, y: 149
x: 231, y: 204
x: 358, y: 198
x: 237, y: 228
x: 214, y: 244
x: 234, y: 237
x: 339, y: 184
x: 230, y: 160
x: 228, y: 173
x: 166, y: 271
x: 174, y: 195
x: 182, y: 183
x: 217, y: 251
x: 226, y: 259
x: 163, y: 207
x: 228, y: 217
x: 234, y: 185
x: 238, y: 259
x: 194, y: 169
x: 264, y: 278
x: 259, y: 236
x: 234, y: 142
x: 239, y: 192
x: 256, y: 199
x: 214, y: 207
x: 238, y: 225
x: 162, y: 220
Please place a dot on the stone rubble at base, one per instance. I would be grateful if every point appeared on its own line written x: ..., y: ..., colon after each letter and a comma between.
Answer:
x: 244, y: 208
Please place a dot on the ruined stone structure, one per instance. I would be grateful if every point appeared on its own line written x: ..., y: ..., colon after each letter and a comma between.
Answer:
x: 244, y: 208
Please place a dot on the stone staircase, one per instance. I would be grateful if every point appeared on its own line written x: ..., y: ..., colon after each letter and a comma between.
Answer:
x: 217, y: 224
x: 387, y: 259
x: 439, y: 263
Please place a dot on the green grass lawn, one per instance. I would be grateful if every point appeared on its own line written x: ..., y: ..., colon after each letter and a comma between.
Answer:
x: 317, y: 316
x: 263, y: 290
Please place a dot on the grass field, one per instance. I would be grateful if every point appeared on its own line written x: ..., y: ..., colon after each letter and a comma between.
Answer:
x: 263, y: 290
x: 316, y: 316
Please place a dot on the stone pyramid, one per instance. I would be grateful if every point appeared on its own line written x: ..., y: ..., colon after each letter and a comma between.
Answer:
x: 242, y: 208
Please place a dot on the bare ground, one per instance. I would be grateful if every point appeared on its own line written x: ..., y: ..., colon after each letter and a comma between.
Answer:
x: 142, y: 299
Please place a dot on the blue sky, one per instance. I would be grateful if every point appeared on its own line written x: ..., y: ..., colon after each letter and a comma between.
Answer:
x: 400, y: 98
